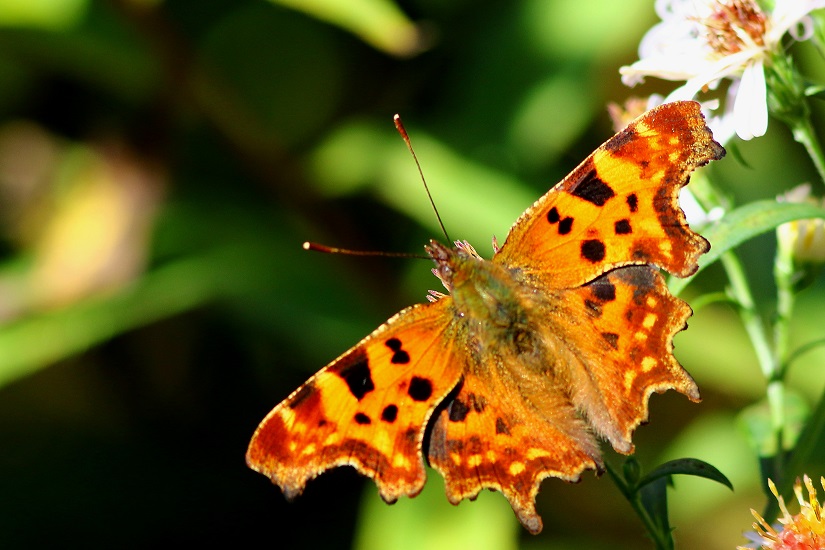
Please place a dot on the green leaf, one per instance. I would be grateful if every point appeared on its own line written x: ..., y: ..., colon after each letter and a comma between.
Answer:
x: 686, y: 466
x: 379, y: 23
x: 745, y: 223
x: 654, y: 500
x: 40, y: 340
x: 757, y: 424
x: 43, y: 14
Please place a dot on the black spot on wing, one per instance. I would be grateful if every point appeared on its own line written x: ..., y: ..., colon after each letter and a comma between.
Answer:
x: 622, y: 227
x: 362, y: 419
x: 632, y: 202
x: 620, y: 140
x: 593, y: 250
x: 501, y: 427
x: 420, y: 389
x: 612, y: 339
x: 458, y: 410
x: 641, y: 278
x: 603, y: 290
x: 355, y: 371
x: 565, y: 224
x: 399, y: 356
x: 592, y: 189
x: 389, y: 414
x: 640, y: 255
x: 301, y: 395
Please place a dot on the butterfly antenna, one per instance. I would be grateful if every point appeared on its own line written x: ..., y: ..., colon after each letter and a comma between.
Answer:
x: 401, y: 130
x: 349, y: 252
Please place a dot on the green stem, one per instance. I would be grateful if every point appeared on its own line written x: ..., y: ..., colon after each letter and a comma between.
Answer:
x: 803, y: 132
x: 747, y: 311
x: 785, y: 275
x: 783, y: 271
x: 766, y: 357
x: 776, y: 404
x: 662, y: 540
x: 802, y: 350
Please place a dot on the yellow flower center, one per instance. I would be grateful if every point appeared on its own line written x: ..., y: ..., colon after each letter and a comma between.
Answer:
x: 734, y: 25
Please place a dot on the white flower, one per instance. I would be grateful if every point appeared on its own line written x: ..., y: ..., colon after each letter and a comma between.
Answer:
x: 705, y: 41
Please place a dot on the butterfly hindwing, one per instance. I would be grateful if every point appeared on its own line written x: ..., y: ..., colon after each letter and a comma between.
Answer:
x: 622, y: 349
x: 506, y: 432
x: 367, y: 409
x: 521, y: 415
x: 620, y: 206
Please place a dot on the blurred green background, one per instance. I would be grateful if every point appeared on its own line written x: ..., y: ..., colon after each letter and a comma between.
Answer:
x: 161, y: 163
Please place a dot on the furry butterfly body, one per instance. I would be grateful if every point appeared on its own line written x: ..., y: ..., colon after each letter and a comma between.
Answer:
x: 559, y: 339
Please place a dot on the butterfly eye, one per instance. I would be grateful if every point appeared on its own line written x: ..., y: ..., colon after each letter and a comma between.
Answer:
x: 443, y: 272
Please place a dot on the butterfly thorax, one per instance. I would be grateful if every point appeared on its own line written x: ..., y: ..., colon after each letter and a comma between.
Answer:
x: 485, y: 295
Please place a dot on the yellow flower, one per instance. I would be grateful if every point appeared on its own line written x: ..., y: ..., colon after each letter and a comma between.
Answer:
x: 803, y: 531
x: 804, y: 240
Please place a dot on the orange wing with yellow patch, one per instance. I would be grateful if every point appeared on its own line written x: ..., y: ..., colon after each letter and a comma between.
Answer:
x: 620, y: 206
x: 518, y: 418
x: 367, y: 409
x: 619, y: 349
x: 507, y: 432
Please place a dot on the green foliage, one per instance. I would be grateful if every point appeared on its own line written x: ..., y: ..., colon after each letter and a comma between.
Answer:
x: 743, y: 224
x: 161, y: 163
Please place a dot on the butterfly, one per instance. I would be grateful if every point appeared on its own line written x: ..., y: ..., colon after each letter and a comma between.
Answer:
x: 514, y: 374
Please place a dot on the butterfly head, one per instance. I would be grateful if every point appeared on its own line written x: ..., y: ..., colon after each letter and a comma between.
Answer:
x: 450, y: 262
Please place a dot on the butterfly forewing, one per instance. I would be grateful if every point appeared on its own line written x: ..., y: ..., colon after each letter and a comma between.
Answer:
x: 367, y: 409
x: 620, y: 206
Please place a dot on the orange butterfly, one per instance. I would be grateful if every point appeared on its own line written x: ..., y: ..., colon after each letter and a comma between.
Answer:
x: 509, y: 378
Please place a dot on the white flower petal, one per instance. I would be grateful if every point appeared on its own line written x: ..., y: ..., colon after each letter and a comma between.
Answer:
x: 726, y: 67
x: 723, y: 127
x: 666, y: 68
x: 786, y: 14
x: 722, y: 123
x: 673, y: 37
x: 694, y: 213
x: 683, y: 9
x: 750, y: 110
